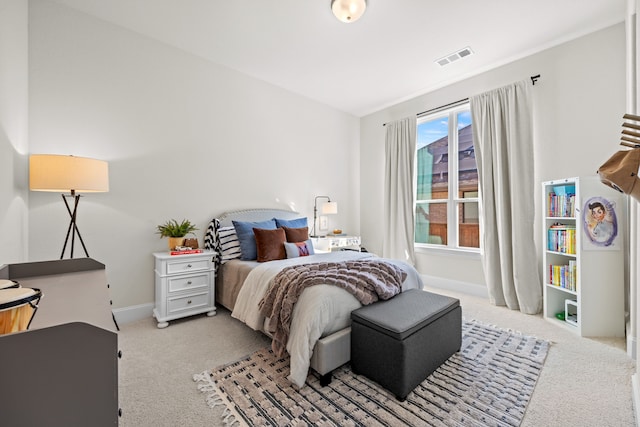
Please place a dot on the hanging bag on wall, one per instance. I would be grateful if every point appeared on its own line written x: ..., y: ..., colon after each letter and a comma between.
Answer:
x: 620, y: 172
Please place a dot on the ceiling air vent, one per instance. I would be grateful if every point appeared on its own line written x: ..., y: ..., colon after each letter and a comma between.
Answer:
x: 452, y: 57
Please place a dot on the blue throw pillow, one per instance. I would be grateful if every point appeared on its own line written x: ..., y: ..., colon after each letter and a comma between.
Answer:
x: 295, y: 250
x: 244, y: 230
x: 291, y: 223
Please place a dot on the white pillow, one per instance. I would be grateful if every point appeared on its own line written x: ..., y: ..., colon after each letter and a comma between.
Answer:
x: 229, y: 243
x: 295, y: 250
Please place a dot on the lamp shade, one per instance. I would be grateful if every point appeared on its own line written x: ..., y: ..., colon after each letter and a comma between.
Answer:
x: 329, y: 208
x: 348, y: 10
x: 53, y: 172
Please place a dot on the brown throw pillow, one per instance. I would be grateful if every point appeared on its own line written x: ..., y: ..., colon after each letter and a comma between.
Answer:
x: 270, y: 244
x: 295, y: 235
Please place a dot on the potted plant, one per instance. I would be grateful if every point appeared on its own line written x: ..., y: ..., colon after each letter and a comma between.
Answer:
x: 175, y: 231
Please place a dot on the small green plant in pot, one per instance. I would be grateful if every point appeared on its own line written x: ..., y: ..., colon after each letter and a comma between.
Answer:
x: 175, y: 231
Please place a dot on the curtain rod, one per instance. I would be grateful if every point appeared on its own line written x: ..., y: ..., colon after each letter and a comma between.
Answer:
x: 534, y: 79
x: 443, y: 107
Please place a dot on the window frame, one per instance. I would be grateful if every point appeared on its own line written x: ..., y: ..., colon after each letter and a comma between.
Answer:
x: 454, y: 202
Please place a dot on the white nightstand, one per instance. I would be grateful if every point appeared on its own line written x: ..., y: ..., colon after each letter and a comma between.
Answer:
x: 185, y: 285
x: 335, y: 243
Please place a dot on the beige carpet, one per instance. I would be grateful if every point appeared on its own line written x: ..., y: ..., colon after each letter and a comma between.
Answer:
x: 585, y: 382
x: 488, y: 382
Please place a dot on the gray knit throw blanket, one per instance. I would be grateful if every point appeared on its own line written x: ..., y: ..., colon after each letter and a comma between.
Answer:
x: 368, y: 280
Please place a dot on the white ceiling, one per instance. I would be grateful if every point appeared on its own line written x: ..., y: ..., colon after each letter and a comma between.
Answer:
x: 384, y: 58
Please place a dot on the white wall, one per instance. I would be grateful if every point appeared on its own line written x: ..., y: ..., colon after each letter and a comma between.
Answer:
x: 633, y: 78
x: 13, y: 130
x: 579, y: 104
x: 184, y: 138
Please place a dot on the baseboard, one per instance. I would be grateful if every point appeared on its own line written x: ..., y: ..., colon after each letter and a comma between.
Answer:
x: 455, y: 285
x: 143, y: 311
x: 132, y: 313
x: 635, y: 385
x: 631, y: 343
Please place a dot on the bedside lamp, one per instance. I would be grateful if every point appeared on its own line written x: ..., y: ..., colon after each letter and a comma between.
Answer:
x: 329, y: 208
x: 58, y: 173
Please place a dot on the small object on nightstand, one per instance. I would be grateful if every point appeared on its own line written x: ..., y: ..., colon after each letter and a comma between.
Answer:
x: 191, y: 243
x: 333, y: 242
x: 185, y: 250
x: 337, y: 231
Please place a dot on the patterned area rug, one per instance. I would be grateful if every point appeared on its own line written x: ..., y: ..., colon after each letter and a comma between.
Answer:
x: 488, y: 383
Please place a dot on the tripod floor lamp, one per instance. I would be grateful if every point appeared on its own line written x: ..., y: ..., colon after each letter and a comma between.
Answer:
x: 58, y: 173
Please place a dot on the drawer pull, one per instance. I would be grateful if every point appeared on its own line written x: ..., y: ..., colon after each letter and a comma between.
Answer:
x: 189, y: 282
x: 189, y: 266
x: 189, y: 302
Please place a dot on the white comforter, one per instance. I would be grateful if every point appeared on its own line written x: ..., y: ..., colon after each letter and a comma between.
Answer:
x: 320, y: 310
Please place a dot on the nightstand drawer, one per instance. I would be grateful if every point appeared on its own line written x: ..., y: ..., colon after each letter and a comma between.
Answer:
x: 188, y: 282
x: 186, y: 266
x: 189, y: 302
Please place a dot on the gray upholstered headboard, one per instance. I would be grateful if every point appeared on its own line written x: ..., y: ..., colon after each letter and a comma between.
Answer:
x: 255, y: 215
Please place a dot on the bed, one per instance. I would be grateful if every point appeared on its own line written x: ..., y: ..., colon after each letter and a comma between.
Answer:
x: 319, y: 335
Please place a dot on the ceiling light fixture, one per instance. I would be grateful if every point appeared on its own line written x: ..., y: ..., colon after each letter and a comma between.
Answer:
x: 348, y: 10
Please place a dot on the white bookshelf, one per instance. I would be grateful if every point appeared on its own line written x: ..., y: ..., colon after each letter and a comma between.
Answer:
x: 594, y: 297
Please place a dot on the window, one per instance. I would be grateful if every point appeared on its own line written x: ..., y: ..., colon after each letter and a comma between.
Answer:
x: 447, y: 199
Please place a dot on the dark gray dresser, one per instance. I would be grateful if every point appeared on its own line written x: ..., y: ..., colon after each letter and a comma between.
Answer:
x: 63, y: 371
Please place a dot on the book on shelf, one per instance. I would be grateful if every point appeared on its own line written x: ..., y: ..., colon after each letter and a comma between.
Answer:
x: 560, y: 226
x: 564, y: 276
x: 562, y: 238
x: 185, y: 251
x: 561, y: 205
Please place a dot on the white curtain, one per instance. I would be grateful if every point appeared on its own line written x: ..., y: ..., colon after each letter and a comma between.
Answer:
x: 503, y: 139
x: 400, y: 151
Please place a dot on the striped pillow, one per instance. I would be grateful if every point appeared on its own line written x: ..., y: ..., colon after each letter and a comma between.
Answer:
x: 229, y: 243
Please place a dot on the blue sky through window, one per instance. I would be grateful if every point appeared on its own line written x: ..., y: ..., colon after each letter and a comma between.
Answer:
x: 433, y: 130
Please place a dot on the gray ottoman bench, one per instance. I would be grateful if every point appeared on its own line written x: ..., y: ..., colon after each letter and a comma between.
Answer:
x: 398, y: 343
